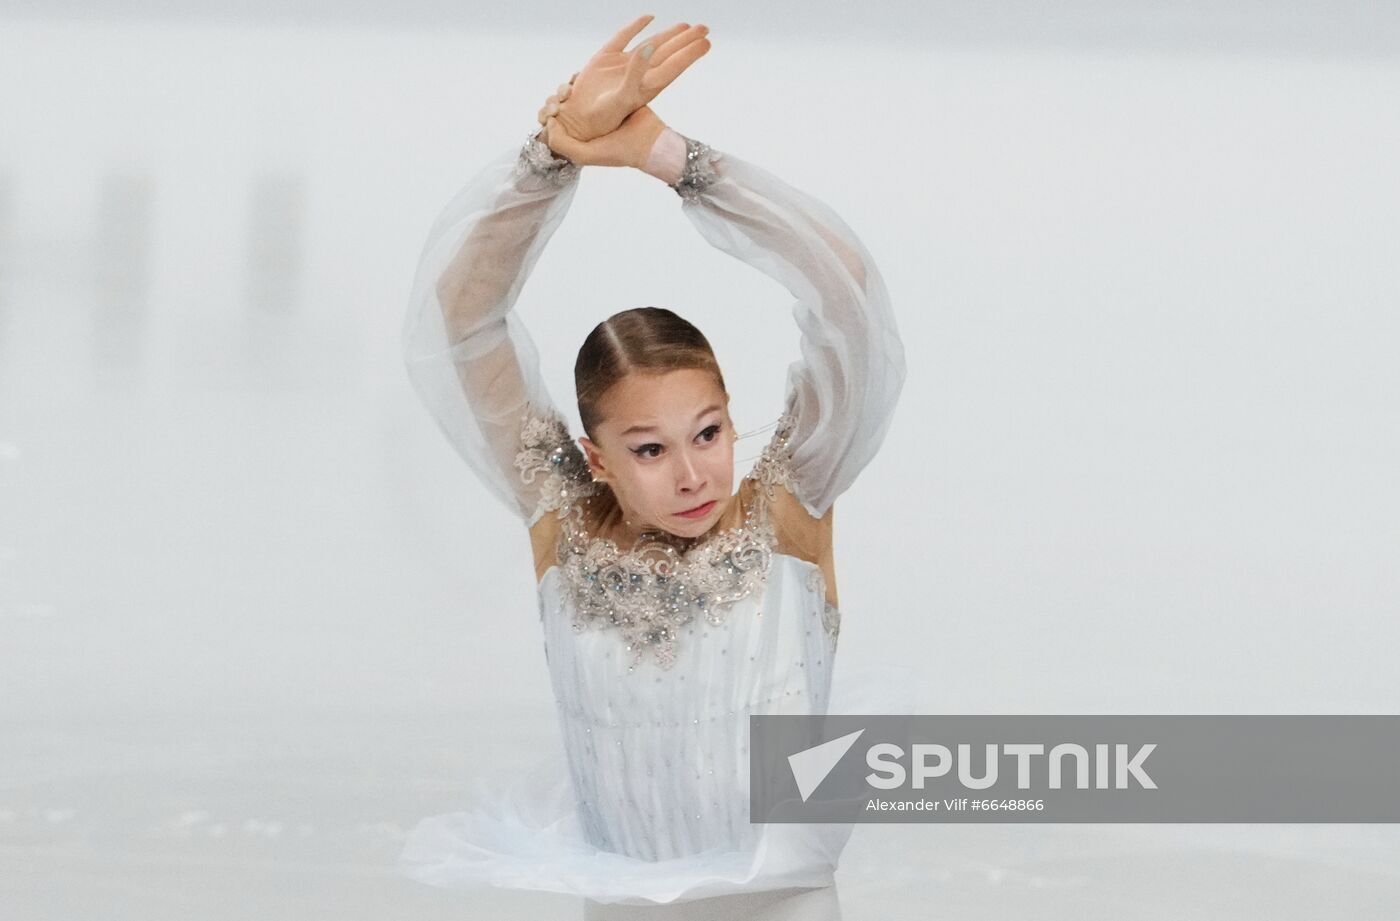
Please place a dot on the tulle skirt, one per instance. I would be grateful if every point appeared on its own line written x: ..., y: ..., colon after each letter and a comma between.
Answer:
x: 526, y: 834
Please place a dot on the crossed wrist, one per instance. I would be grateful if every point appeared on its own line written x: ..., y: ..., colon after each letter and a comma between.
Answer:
x: 688, y: 166
x: 666, y: 159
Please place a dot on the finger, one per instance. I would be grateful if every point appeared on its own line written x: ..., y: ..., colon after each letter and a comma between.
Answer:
x: 627, y: 33
x: 564, y: 90
x: 659, y: 77
x: 672, y: 44
x: 637, y: 63
x: 560, y: 141
x: 665, y: 36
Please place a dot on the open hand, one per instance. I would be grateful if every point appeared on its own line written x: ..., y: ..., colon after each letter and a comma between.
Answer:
x: 615, y: 83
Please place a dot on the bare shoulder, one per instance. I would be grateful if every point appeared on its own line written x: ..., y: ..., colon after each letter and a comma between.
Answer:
x: 544, y: 535
x: 799, y: 534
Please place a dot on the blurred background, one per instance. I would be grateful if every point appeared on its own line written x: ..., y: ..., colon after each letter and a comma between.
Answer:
x: 257, y: 619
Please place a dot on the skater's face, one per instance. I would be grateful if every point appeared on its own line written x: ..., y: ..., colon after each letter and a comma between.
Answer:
x: 665, y: 447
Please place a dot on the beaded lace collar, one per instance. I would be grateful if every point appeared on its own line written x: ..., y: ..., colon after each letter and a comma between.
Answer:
x: 650, y: 590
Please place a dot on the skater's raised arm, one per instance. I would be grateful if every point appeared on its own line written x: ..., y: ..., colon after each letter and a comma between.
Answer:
x: 470, y: 359
x: 842, y: 392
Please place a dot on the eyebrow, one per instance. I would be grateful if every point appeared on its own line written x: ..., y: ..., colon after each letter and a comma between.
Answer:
x: 651, y: 428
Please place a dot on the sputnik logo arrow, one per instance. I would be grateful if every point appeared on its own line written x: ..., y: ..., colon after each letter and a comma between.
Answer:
x: 811, y: 765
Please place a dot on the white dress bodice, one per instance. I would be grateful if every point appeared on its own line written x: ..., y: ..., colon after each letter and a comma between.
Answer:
x: 659, y: 756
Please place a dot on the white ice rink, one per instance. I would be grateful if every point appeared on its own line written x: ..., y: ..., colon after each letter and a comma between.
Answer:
x: 256, y: 619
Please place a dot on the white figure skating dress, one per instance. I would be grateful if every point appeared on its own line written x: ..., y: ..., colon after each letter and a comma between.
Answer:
x: 658, y: 653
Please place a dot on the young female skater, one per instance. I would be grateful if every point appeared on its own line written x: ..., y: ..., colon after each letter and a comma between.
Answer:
x: 673, y: 605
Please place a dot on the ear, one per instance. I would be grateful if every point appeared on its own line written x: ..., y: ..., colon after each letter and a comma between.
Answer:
x: 594, y: 457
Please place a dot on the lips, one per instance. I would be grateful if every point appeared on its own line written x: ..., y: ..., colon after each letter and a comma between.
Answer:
x: 699, y: 511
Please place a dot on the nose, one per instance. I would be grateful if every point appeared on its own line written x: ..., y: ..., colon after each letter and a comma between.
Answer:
x: 688, y: 476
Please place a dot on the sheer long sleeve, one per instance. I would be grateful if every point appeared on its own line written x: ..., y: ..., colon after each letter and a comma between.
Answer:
x: 841, y: 394
x: 469, y: 357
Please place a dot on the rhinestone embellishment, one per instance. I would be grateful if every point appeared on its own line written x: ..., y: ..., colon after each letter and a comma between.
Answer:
x: 774, y: 465
x: 652, y: 590
x: 547, y: 450
x: 699, y: 169
x: 649, y: 591
x: 537, y: 159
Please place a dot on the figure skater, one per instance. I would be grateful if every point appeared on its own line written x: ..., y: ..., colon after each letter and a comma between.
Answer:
x: 673, y: 605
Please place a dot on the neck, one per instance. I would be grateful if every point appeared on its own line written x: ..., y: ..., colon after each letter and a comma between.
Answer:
x: 624, y: 530
x: 635, y: 534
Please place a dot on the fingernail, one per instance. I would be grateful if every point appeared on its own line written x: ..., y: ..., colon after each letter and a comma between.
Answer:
x: 646, y: 52
x: 552, y: 108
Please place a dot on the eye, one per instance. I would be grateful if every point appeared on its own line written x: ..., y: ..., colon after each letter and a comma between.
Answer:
x: 642, y: 451
x: 712, y: 431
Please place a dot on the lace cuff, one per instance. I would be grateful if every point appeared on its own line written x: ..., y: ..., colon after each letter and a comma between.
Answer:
x: 699, y: 169
x: 536, y: 159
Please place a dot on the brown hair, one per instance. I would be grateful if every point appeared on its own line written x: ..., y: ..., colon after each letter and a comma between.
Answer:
x: 643, y: 339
